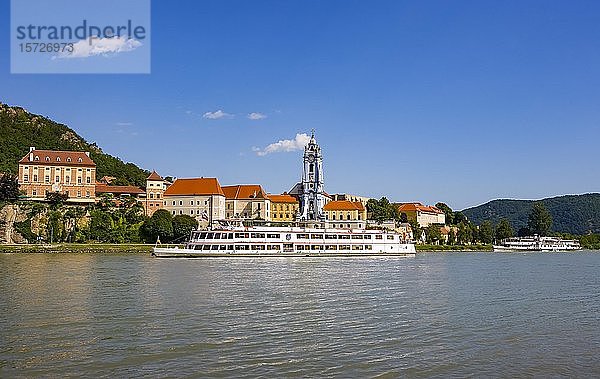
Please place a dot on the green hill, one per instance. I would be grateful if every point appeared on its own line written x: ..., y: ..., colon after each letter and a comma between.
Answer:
x: 576, y: 214
x: 20, y: 129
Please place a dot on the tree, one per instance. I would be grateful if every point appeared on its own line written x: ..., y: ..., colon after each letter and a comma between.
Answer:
x: 382, y: 210
x: 56, y: 198
x: 504, y: 230
x: 459, y: 217
x: 433, y: 233
x: 160, y: 225
x: 447, y: 212
x: 486, y: 232
x: 540, y: 219
x: 465, y: 233
x: 183, y: 226
x: 9, y: 187
x: 451, y: 237
x: 101, y: 226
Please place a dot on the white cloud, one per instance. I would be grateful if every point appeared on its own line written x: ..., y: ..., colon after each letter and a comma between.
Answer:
x: 100, y: 46
x: 217, y: 115
x: 256, y: 116
x: 284, y: 146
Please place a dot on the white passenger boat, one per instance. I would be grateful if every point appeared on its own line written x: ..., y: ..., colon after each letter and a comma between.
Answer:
x: 269, y: 241
x: 536, y: 243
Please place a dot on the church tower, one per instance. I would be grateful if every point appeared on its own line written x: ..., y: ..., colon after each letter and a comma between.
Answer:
x: 312, y: 195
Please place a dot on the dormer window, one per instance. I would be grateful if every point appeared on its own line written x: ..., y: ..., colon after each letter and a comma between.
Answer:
x: 58, y: 159
x: 68, y: 159
x: 47, y: 159
x: 79, y: 160
x: 37, y: 158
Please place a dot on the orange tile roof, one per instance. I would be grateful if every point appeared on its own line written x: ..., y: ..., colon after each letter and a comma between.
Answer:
x: 344, y: 205
x: 103, y: 188
x: 284, y: 198
x: 194, y: 186
x: 58, y: 158
x: 244, y: 191
x: 154, y: 176
x: 413, y: 207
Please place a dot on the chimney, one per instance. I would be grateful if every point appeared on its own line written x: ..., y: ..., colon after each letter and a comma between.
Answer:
x: 87, y: 153
x: 31, y: 149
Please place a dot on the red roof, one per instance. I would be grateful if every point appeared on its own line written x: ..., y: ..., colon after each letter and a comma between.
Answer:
x: 284, y: 198
x: 58, y: 158
x: 244, y: 191
x: 154, y: 176
x: 344, y: 205
x: 132, y: 190
x: 195, y: 186
x: 413, y: 207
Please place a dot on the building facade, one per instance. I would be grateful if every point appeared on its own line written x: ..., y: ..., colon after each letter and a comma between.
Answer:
x: 424, y: 215
x: 284, y: 208
x: 69, y: 172
x: 201, y: 198
x: 155, y: 189
x: 246, y: 201
x: 346, y: 214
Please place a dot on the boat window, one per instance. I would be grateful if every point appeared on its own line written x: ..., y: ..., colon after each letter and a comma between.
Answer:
x: 229, y: 247
x: 206, y: 247
x: 302, y: 236
x: 331, y: 247
x: 215, y: 247
x: 344, y: 247
x: 330, y: 236
x: 254, y: 235
x: 209, y: 236
x: 316, y: 236
x: 288, y: 247
x: 217, y: 236
x: 378, y: 237
x: 273, y: 235
x: 317, y: 247
x: 368, y: 247
x: 299, y: 247
x: 357, y: 237
x: 357, y: 247
x: 222, y: 247
x: 198, y: 247
x: 367, y: 236
x: 390, y: 237
x: 344, y: 237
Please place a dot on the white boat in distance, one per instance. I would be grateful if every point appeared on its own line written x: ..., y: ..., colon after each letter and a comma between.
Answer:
x: 272, y: 241
x: 536, y: 243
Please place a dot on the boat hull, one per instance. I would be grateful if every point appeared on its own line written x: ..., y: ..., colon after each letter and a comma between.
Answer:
x: 188, y: 253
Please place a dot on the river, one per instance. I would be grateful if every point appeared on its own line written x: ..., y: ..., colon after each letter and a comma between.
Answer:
x: 435, y: 315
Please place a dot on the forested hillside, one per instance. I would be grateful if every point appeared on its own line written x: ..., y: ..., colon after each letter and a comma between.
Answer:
x: 20, y: 129
x: 576, y: 214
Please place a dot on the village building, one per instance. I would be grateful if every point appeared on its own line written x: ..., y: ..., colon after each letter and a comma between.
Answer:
x: 424, y: 215
x: 120, y: 191
x: 345, y: 214
x: 246, y: 201
x: 201, y: 198
x: 284, y: 207
x: 68, y: 172
x: 155, y: 189
x: 349, y: 197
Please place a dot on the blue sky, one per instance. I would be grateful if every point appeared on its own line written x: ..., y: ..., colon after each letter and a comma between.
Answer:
x: 454, y: 101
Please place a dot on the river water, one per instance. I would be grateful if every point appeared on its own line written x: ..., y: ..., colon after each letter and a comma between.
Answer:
x: 436, y: 315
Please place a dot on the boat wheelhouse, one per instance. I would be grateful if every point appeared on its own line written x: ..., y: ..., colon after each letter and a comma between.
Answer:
x: 290, y: 242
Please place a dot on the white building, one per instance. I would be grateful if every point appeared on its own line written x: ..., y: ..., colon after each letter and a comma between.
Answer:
x: 202, y: 198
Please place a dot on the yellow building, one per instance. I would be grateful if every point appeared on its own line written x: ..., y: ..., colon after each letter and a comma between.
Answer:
x: 284, y: 207
x: 345, y: 214
x: 424, y: 215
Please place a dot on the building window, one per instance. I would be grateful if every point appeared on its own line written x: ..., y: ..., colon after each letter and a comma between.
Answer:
x: 58, y: 159
x: 37, y: 158
x: 35, y: 178
x: 88, y: 180
x: 180, y: 212
x: 87, y: 194
x: 57, y: 179
x: 312, y: 167
x: 180, y: 202
x: 47, y: 159
x: 34, y: 193
x: 78, y: 193
x: 79, y: 160
x: 152, y: 196
x: 68, y: 179
x: 191, y: 202
x: 25, y: 178
x: 47, y: 179
x: 79, y: 180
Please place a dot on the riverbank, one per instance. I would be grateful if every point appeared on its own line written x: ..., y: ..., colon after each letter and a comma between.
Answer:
x: 426, y: 248
x: 77, y: 248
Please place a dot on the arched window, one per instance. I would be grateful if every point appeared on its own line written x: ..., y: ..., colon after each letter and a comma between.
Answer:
x: 58, y: 159
x: 79, y: 160
x: 68, y: 159
x: 311, y: 167
x: 37, y: 158
x: 47, y: 159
